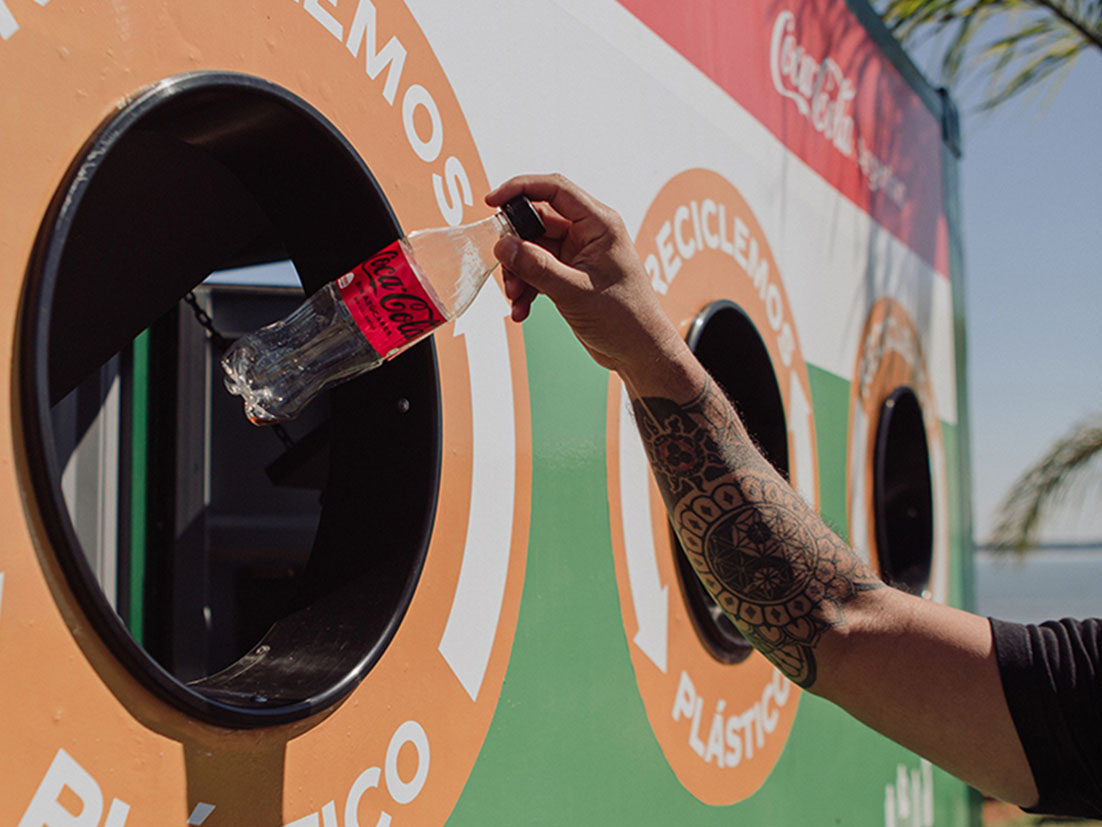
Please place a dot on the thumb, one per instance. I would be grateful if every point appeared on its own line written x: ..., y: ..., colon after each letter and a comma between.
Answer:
x: 536, y: 266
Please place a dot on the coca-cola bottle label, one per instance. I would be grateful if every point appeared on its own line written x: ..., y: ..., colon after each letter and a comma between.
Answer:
x: 388, y: 301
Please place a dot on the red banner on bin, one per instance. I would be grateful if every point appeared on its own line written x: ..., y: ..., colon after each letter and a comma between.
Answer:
x: 810, y: 73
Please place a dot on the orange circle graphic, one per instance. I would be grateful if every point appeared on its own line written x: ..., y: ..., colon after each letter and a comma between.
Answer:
x: 403, y: 743
x: 721, y: 727
x: 890, y: 356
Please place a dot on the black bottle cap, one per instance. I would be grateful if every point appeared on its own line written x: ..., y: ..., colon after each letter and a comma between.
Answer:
x: 524, y: 218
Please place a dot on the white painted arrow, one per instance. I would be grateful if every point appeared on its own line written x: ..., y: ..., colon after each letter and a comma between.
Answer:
x: 799, y: 426
x: 200, y: 813
x: 476, y: 608
x: 8, y: 24
x: 649, y: 596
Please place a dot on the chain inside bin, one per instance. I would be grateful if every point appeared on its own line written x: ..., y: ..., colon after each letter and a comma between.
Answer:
x: 207, y: 605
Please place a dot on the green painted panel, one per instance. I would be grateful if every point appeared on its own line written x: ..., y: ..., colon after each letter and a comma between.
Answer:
x: 570, y: 742
x: 961, y: 586
x: 139, y: 437
x: 830, y: 407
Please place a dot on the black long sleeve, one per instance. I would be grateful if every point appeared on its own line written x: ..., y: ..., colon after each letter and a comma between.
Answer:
x: 1052, y: 678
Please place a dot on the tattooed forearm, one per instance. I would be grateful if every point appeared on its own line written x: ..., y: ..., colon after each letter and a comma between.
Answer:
x: 768, y: 560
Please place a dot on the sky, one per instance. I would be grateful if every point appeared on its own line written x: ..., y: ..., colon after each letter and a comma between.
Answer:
x: 1031, y: 198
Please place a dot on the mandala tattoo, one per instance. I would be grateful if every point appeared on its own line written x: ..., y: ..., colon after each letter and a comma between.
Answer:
x: 766, y: 558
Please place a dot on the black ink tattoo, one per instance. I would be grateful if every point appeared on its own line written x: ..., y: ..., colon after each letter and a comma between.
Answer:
x: 766, y: 558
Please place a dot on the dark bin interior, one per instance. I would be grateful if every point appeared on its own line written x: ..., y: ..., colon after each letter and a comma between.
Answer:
x: 903, y: 493
x: 198, y: 174
x: 728, y: 344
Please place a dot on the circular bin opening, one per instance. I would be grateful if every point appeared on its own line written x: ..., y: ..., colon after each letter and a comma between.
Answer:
x: 249, y: 580
x: 726, y: 342
x: 902, y: 493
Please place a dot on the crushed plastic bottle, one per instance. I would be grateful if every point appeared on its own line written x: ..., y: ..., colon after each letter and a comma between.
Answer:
x: 371, y: 314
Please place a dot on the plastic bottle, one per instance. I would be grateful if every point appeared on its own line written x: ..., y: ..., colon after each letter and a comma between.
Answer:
x: 371, y: 314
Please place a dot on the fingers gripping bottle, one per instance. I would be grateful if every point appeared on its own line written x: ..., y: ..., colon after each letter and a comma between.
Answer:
x: 371, y: 314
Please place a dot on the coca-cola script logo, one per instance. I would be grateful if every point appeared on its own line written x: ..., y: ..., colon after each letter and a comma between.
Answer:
x: 390, y: 278
x: 388, y: 301
x: 411, y: 315
x: 819, y: 89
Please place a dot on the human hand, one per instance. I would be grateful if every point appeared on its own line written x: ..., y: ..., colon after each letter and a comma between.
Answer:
x: 587, y: 265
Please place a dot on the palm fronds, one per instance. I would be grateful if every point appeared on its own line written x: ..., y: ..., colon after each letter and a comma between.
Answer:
x: 1058, y: 475
x: 1040, y: 39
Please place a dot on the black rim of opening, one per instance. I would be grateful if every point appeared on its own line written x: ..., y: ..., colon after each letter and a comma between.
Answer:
x: 903, y: 493
x: 334, y: 602
x: 728, y: 344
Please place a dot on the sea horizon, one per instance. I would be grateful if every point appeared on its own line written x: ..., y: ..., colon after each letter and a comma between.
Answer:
x: 1052, y: 581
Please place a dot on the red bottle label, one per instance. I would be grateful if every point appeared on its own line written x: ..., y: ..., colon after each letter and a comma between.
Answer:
x: 388, y: 301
